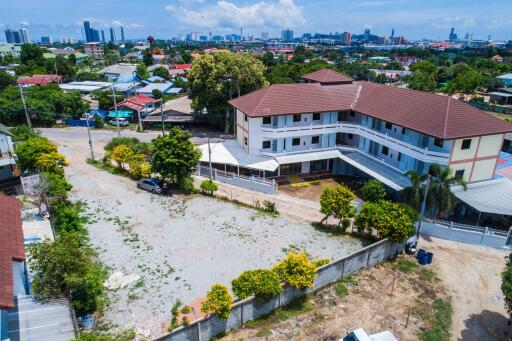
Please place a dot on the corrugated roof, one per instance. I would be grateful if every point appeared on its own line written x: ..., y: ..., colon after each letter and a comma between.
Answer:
x: 12, y: 247
x: 428, y: 113
x: 491, y: 196
x: 327, y: 76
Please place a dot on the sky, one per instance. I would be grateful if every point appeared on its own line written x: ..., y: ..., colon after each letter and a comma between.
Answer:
x: 414, y: 19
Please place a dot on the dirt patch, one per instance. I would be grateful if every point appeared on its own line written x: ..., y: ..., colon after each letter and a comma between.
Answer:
x: 472, y: 275
x: 313, y: 191
x: 401, y: 297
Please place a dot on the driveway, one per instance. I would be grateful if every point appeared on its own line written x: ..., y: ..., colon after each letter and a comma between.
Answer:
x: 472, y: 274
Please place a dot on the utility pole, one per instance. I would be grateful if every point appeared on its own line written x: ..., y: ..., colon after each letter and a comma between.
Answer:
x: 115, y: 108
x: 89, y: 134
x: 422, y: 209
x: 162, y: 115
x: 210, y: 159
x: 137, y: 99
x: 29, y: 122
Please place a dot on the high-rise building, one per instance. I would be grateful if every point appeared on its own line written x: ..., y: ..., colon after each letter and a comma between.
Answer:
x: 46, y: 40
x: 264, y: 36
x: 95, y: 35
x: 112, y: 35
x: 287, y: 35
x: 392, y: 33
x: 103, y: 35
x: 366, y: 35
x: 346, y: 38
x: 453, y: 35
x: 87, y: 31
x: 94, y: 50
x: 122, y: 33
x: 19, y: 36
x: 194, y: 36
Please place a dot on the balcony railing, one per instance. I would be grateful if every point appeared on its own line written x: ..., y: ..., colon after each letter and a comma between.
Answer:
x: 422, y: 154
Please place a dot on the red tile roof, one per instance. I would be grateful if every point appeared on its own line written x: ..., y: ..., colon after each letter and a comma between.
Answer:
x: 136, y: 101
x: 39, y: 79
x: 280, y: 99
x: 11, y: 249
x: 327, y: 76
x: 181, y: 66
x: 435, y: 115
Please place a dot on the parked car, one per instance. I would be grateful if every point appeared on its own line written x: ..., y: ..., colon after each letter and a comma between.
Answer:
x: 123, y: 122
x: 150, y: 184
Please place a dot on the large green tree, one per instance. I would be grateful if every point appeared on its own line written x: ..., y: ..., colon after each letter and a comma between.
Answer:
x: 215, y: 78
x: 30, y: 150
x: 337, y: 203
x: 440, y: 197
x: 174, y: 155
x: 506, y: 284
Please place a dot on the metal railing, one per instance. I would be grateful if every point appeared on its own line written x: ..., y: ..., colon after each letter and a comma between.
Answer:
x: 466, y: 227
x: 205, y: 172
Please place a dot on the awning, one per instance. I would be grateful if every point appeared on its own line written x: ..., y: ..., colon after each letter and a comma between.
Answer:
x: 376, y: 169
x: 491, y: 196
x: 231, y: 153
x: 308, y: 156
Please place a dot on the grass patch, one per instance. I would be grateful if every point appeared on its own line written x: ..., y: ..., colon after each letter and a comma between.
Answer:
x: 257, y: 206
x: 109, y: 168
x: 427, y: 275
x: 341, y: 289
x: 439, y: 321
x: 405, y: 265
x: 295, y: 308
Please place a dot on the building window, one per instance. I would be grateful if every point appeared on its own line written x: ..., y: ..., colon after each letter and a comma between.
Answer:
x: 466, y: 144
x: 403, y: 131
x: 245, y: 118
x: 385, y: 150
x: 350, y: 136
x: 353, y: 114
x: 318, y: 166
x: 245, y: 141
x: 265, y: 144
x: 315, y: 140
x: 296, y: 118
x: 316, y: 116
x: 399, y: 156
x: 296, y: 141
x: 438, y: 142
x: 459, y: 174
x: 267, y: 120
x: 388, y: 125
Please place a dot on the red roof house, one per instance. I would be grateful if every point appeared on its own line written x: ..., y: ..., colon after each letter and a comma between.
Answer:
x: 39, y: 79
x: 12, y: 249
x: 137, y: 102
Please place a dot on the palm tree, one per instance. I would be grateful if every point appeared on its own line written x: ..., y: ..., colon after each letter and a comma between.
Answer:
x: 440, y: 196
x: 413, y: 194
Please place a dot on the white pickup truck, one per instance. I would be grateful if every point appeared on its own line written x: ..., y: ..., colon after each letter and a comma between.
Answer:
x: 360, y: 335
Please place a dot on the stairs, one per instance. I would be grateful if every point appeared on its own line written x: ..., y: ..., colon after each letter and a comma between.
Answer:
x: 31, y: 320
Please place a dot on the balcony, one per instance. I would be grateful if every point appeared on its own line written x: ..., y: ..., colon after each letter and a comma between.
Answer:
x: 422, y: 154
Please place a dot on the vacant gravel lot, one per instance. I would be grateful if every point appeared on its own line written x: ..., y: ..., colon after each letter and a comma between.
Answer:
x: 179, y: 245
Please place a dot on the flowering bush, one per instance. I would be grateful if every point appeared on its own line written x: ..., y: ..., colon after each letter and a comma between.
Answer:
x: 263, y: 284
x: 218, y: 302
x: 296, y: 270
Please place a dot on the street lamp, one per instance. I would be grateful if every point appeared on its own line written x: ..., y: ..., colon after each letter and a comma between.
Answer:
x: 137, y: 100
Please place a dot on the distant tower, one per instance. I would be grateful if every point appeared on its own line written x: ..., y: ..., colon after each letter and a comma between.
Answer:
x: 102, y: 35
x: 122, y: 33
x: 392, y: 33
x: 87, y: 31
x: 453, y: 35
x: 112, y: 35
x: 241, y: 33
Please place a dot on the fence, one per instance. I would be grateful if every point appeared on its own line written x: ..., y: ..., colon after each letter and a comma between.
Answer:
x: 491, y: 107
x: 471, y: 234
x: 80, y: 123
x: 251, y: 182
x: 30, y: 183
x: 249, y: 309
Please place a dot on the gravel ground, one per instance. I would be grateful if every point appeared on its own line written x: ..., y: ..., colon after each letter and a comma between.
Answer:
x: 179, y: 245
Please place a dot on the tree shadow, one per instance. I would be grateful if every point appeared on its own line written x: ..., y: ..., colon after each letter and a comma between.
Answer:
x: 487, y: 325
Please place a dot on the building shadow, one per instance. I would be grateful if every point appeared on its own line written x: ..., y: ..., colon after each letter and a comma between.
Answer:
x: 487, y: 325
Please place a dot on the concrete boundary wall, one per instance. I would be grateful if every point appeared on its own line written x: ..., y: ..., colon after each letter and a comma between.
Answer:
x: 251, y: 308
x: 461, y: 235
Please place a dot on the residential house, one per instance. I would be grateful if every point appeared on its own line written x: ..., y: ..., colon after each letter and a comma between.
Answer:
x: 360, y: 128
x: 9, y: 172
x: 9, y: 49
x: 39, y: 80
x: 506, y: 79
x: 12, y: 261
x: 501, y: 96
x: 165, y: 88
x: 406, y: 61
x: 178, y: 110
x: 121, y: 70
x: 139, y: 103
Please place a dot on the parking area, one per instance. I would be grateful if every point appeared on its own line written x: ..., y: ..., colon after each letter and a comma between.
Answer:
x: 178, y: 245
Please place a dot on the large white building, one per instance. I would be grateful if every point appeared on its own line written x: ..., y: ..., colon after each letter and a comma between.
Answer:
x: 331, y: 124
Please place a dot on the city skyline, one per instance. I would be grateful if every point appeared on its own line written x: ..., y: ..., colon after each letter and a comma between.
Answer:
x: 166, y: 19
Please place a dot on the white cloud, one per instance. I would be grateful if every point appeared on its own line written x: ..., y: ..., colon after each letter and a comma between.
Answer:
x: 117, y: 23
x: 225, y: 14
x: 135, y: 25
x: 24, y: 23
